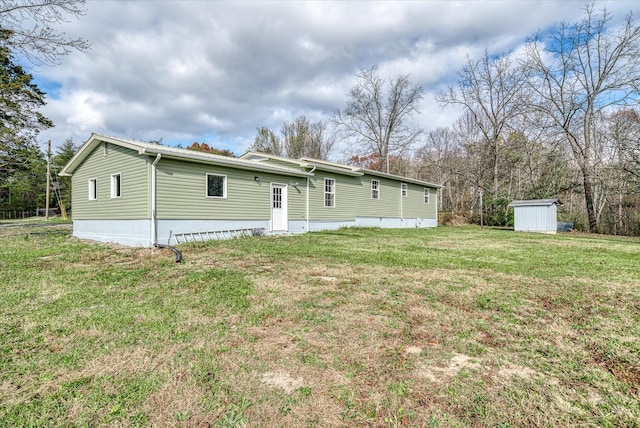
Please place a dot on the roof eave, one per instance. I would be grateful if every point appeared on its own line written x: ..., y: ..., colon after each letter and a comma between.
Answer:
x: 232, y: 162
x: 401, y: 178
x: 341, y: 171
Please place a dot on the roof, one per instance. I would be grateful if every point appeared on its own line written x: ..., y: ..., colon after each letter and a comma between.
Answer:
x: 535, y: 202
x: 250, y: 161
x: 401, y: 178
x: 165, y: 152
x: 324, y: 165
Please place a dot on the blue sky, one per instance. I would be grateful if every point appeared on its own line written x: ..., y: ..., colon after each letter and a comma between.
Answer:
x: 214, y: 71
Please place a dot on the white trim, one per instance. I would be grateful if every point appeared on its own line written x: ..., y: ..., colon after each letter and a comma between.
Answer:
x: 284, y: 204
x: 377, y: 189
x: 113, y: 187
x: 224, y: 186
x: 93, y: 189
x: 324, y: 193
x: 154, y: 220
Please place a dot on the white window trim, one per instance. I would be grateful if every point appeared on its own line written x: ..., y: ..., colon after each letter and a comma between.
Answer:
x: 113, y: 186
x: 93, y: 189
x: 206, y: 186
x: 377, y: 189
x: 427, y: 196
x: 333, y: 193
x: 404, y: 190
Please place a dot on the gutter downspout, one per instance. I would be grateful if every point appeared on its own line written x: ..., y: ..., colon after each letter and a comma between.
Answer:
x: 437, y: 202
x: 309, y: 178
x: 401, y: 205
x: 154, y: 231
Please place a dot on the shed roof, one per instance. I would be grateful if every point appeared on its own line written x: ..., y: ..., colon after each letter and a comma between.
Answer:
x: 535, y: 202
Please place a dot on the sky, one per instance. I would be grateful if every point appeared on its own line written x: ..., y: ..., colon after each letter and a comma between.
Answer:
x: 214, y: 71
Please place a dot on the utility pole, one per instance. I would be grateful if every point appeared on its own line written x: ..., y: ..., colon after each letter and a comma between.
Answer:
x: 481, y: 210
x: 46, y: 215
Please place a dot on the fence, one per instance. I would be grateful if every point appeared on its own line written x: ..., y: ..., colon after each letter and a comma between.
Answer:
x: 21, y: 214
x: 10, y: 215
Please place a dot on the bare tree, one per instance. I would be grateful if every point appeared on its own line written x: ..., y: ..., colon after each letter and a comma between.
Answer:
x: 377, y: 119
x: 299, y: 138
x: 32, y: 22
x: 267, y: 142
x: 622, y: 172
x: 438, y: 161
x: 624, y: 133
x: 321, y: 140
x: 582, y: 70
x: 491, y: 91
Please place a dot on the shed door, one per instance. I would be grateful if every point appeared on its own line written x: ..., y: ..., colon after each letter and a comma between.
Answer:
x: 279, y: 214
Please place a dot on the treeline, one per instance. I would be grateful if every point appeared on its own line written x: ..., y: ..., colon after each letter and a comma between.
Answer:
x: 556, y: 119
x: 23, y: 169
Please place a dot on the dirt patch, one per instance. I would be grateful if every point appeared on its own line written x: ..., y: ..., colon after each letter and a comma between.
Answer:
x: 325, y: 278
x: 413, y: 350
x: 283, y: 381
x: 620, y: 369
x: 457, y: 363
x: 510, y: 370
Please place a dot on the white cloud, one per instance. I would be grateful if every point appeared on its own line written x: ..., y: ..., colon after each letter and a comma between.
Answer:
x: 191, y: 71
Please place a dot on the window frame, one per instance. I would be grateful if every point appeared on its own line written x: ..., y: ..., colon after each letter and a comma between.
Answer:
x: 224, y: 186
x: 116, y: 191
x: 376, y: 189
x: 427, y: 195
x: 93, y: 189
x: 331, y: 193
x: 404, y: 189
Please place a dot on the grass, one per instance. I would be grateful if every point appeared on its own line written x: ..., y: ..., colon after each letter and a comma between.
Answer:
x: 356, y: 327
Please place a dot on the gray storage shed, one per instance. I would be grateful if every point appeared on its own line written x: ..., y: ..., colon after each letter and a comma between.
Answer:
x: 538, y: 215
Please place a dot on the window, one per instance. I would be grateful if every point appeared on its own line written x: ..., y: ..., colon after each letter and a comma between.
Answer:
x: 93, y: 189
x: 375, y: 189
x: 216, y: 186
x: 105, y: 149
x: 329, y: 192
x: 426, y: 196
x: 403, y: 189
x: 116, y: 186
x: 276, y: 197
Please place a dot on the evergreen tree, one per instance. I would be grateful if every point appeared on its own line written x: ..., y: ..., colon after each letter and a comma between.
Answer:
x: 62, y: 185
x: 21, y: 161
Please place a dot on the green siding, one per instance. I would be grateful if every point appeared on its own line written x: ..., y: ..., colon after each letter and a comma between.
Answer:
x: 134, y: 170
x: 388, y: 203
x: 347, y: 189
x: 181, y: 190
x: 413, y: 205
x: 353, y: 199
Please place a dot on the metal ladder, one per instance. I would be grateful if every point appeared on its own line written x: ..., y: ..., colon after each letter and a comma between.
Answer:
x: 182, y: 238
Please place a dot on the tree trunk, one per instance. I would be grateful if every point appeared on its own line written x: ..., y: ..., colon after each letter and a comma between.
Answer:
x: 588, y: 199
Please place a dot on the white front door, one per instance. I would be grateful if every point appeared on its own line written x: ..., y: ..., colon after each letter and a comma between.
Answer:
x: 279, y: 215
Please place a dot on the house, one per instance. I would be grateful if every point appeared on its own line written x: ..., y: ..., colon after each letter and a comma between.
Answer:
x: 142, y: 194
x: 538, y: 215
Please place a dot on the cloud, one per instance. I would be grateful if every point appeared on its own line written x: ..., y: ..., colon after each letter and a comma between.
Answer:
x: 212, y: 72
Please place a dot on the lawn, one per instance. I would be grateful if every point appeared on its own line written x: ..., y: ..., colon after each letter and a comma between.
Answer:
x: 357, y: 327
